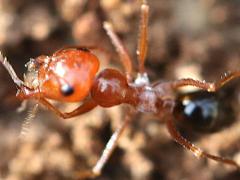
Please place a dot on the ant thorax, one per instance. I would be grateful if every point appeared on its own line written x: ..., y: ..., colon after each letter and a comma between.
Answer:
x: 152, y: 98
x: 155, y: 98
x: 147, y: 98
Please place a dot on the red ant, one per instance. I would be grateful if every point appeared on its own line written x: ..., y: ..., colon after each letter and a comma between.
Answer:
x: 69, y: 75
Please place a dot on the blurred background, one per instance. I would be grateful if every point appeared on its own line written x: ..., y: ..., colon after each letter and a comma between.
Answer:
x: 187, y: 38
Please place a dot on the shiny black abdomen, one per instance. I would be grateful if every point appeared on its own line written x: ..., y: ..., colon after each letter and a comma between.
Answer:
x: 203, y: 111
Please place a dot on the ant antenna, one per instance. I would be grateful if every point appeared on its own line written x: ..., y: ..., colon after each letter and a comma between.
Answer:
x: 143, y: 36
x: 10, y: 70
x: 26, y: 125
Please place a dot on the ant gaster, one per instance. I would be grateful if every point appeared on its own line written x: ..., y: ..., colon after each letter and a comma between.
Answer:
x: 69, y: 75
x: 205, y: 112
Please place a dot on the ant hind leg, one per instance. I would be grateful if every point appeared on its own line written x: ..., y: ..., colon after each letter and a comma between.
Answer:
x: 195, y: 150
x: 208, y: 86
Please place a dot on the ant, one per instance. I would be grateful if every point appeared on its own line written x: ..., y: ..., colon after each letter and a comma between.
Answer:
x: 69, y: 75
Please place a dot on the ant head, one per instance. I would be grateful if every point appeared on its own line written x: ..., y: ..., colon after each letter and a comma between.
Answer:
x: 67, y: 75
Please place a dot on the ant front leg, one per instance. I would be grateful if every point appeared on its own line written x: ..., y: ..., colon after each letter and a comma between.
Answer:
x: 210, y: 87
x: 83, y: 108
x: 195, y: 150
x: 107, y: 152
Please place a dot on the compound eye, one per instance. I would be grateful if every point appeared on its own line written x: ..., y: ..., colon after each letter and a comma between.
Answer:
x: 67, y: 90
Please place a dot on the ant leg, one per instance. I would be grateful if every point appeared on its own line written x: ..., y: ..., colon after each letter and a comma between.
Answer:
x: 122, y: 52
x: 143, y: 37
x: 108, y: 150
x: 195, y: 150
x: 83, y: 108
x: 208, y: 86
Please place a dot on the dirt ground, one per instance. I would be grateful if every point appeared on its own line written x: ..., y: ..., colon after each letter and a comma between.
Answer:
x: 187, y: 38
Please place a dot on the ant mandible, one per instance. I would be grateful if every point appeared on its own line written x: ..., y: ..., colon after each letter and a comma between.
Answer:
x: 69, y: 75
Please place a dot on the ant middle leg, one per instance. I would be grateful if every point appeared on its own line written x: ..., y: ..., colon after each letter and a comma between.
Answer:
x: 194, y: 149
x: 208, y: 86
x: 108, y: 150
x: 83, y: 108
